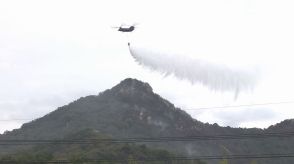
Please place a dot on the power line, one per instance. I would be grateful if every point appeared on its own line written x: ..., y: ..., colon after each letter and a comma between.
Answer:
x: 201, y: 108
x: 243, y: 105
x: 247, y: 156
x: 150, y: 140
x: 15, y: 119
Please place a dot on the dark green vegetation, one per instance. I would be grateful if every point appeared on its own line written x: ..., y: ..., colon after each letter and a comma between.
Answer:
x: 129, y: 110
x: 100, y: 152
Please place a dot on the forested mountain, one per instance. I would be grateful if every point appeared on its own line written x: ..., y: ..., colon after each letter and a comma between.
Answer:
x: 132, y: 110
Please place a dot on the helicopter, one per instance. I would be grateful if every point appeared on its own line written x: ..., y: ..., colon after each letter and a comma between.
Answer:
x: 126, y: 28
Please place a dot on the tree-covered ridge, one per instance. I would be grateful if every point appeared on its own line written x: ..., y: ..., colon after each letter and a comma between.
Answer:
x: 106, y: 153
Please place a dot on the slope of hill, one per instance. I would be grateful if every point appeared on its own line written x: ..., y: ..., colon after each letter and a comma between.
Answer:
x: 131, y: 109
x: 99, y: 152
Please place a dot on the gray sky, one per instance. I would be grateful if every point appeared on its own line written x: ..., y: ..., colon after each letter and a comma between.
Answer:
x: 53, y: 52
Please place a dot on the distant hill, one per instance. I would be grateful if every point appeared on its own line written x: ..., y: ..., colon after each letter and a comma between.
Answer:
x: 132, y: 109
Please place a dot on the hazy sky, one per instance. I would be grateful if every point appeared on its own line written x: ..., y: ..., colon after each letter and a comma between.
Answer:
x: 53, y: 52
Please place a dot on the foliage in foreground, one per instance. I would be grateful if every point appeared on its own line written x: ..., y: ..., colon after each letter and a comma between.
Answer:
x: 103, y: 152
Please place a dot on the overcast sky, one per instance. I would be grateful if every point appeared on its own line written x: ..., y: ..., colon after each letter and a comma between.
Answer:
x: 53, y: 52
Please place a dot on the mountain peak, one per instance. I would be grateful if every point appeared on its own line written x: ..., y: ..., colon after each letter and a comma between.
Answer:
x: 131, y: 86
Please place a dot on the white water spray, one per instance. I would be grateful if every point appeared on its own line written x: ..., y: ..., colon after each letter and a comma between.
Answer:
x: 217, y: 77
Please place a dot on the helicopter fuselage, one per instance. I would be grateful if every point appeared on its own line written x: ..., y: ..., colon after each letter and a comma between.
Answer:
x: 126, y: 29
